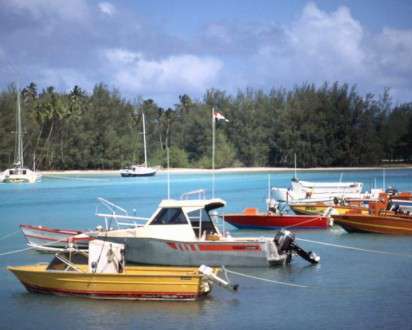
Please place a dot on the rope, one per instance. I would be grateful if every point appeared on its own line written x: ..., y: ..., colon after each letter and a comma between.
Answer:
x: 265, y: 279
x: 303, y: 222
x: 15, y: 251
x: 356, y: 248
x: 8, y: 235
x: 74, y: 178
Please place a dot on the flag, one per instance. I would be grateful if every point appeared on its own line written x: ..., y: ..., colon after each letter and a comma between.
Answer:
x: 219, y: 116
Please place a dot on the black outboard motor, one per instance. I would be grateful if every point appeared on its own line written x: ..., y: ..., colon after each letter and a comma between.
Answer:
x: 285, y: 242
x: 392, y: 191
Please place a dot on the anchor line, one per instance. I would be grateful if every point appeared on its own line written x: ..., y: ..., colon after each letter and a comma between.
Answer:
x: 9, y: 235
x: 265, y: 279
x: 356, y: 248
x: 302, y: 222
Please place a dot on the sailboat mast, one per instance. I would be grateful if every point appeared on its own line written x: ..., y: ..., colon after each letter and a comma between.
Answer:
x: 213, y: 152
x: 144, y: 139
x: 18, y: 153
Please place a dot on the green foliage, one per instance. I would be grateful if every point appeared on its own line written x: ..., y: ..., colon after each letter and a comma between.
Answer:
x: 331, y: 125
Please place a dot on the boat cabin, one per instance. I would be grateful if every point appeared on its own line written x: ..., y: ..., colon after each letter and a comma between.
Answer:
x: 183, y: 220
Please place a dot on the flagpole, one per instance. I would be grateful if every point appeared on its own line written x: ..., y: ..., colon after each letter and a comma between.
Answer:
x: 213, y: 152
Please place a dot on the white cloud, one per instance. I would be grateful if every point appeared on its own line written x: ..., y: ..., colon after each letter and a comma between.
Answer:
x: 107, y: 8
x: 174, y: 74
x: 74, y: 10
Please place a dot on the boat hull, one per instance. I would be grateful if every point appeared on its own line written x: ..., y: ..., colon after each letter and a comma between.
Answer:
x: 153, y: 251
x: 40, y: 236
x: 135, y: 283
x: 393, y: 225
x: 133, y: 175
x: 276, y: 221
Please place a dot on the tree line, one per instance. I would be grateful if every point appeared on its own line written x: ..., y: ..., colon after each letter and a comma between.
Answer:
x: 330, y: 125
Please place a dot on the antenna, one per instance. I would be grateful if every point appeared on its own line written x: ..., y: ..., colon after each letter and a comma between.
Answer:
x: 168, y: 169
x: 295, y: 166
x: 144, y: 139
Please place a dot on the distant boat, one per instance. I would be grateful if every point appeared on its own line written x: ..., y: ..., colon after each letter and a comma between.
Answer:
x: 310, y: 192
x: 141, y: 169
x: 251, y: 218
x: 18, y: 173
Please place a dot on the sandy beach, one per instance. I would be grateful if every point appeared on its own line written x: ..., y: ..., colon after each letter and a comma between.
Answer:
x: 233, y: 170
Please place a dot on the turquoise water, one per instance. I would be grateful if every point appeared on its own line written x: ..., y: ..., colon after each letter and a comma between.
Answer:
x: 348, y: 289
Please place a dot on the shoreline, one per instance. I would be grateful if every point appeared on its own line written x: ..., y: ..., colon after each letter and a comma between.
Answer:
x: 233, y: 170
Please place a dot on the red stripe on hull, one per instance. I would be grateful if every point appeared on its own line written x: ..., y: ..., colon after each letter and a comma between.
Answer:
x: 52, y: 230
x: 204, y: 247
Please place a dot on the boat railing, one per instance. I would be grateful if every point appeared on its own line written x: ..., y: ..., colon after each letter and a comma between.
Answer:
x: 200, y: 194
x: 123, y: 220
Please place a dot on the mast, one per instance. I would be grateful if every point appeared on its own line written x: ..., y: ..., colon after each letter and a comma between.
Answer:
x: 144, y: 139
x: 213, y: 152
x: 295, y: 166
x: 18, y: 152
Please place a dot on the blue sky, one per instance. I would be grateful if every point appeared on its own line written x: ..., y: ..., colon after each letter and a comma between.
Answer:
x: 162, y: 49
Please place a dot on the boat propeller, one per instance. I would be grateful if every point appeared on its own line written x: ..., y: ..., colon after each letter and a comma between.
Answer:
x: 285, y: 242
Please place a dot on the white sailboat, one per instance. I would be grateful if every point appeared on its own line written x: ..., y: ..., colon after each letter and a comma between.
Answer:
x: 142, y: 169
x: 18, y: 173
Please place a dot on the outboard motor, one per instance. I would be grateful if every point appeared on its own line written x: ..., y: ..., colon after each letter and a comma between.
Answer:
x: 285, y: 242
x: 391, y: 191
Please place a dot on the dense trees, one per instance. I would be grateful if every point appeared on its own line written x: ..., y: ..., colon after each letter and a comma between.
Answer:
x: 331, y: 125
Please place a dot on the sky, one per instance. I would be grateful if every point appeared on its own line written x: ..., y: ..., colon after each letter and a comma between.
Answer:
x: 163, y: 49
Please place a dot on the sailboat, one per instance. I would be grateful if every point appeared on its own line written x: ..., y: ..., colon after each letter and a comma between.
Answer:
x: 142, y: 169
x: 18, y: 173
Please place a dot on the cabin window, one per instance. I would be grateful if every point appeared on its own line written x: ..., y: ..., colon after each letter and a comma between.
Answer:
x: 201, y: 222
x: 170, y: 216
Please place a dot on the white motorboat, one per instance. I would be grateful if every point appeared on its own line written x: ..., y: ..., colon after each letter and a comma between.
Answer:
x: 18, y: 173
x: 182, y: 233
x: 141, y: 169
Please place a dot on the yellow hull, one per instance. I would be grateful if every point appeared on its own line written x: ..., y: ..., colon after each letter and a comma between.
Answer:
x: 319, y: 209
x: 135, y: 283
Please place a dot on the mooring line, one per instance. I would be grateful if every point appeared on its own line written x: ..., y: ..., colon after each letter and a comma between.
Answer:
x: 355, y: 248
x: 265, y: 279
x: 73, y: 178
x: 15, y: 251
x: 9, y: 235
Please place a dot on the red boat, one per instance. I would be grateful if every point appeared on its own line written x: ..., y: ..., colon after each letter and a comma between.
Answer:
x: 251, y: 218
x: 45, y: 238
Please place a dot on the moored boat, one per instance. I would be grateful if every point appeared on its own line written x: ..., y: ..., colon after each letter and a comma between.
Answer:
x: 181, y: 232
x: 384, y: 223
x: 104, y: 275
x: 251, y: 218
x: 382, y: 219
x: 46, y: 238
x: 18, y: 173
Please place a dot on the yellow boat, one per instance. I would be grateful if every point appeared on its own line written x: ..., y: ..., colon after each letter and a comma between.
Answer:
x: 134, y: 283
x: 321, y: 208
x: 102, y: 274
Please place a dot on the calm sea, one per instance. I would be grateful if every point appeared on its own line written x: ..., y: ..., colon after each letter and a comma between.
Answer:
x: 348, y: 289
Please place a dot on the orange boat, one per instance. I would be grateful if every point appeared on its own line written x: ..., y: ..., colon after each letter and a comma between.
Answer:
x: 379, y: 220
